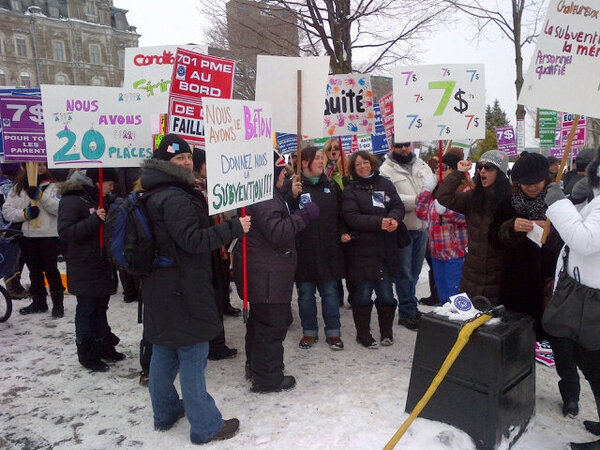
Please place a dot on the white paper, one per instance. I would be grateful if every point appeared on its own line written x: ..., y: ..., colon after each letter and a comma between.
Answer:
x: 536, y: 234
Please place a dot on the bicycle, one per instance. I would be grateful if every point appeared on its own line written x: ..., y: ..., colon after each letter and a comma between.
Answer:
x: 9, y: 259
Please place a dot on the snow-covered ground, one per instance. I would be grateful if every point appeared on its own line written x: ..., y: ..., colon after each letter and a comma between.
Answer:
x: 352, y: 399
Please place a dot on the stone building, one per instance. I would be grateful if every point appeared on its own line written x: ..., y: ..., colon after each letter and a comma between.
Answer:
x: 78, y: 42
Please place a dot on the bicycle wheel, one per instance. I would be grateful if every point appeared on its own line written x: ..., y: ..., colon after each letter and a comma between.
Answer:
x: 5, y: 305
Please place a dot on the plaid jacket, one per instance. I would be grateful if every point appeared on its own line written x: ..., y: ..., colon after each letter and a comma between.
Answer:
x: 448, y: 236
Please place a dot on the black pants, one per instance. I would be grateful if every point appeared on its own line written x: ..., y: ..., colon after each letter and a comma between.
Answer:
x: 265, y: 332
x: 221, y: 286
x: 90, y: 317
x: 40, y: 256
x: 131, y: 285
x: 145, y: 355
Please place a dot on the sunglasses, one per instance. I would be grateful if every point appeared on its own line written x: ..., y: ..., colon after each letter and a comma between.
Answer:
x: 334, y: 147
x: 487, y: 166
x: 402, y: 144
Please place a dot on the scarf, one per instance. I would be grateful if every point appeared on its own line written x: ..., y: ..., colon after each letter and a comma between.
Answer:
x: 410, y: 159
x: 529, y: 208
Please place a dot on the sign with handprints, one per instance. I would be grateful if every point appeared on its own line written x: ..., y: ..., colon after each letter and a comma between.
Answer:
x: 23, y: 128
x: 349, y: 105
x: 439, y: 102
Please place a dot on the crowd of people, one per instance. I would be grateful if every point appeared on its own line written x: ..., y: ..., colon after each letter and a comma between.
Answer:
x: 334, y: 225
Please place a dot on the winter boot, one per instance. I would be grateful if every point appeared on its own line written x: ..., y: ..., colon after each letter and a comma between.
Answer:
x: 386, y: 315
x: 433, y: 299
x: 38, y: 305
x: 88, y: 358
x: 595, y: 445
x: 58, y: 309
x: 14, y: 287
x: 362, y: 321
x: 106, y: 349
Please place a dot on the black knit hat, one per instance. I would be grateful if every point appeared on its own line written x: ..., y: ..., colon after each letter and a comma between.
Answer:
x: 451, y: 160
x: 530, y: 168
x: 170, y: 146
x: 199, y: 157
x: 108, y: 174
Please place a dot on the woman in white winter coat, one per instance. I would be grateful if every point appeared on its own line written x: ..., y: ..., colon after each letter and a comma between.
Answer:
x: 39, y: 243
x: 580, y: 229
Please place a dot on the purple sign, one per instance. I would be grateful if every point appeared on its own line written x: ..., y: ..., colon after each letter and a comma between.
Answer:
x: 23, y: 128
x: 505, y: 136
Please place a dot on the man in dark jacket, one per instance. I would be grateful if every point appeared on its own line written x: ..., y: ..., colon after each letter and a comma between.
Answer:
x: 92, y: 279
x: 180, y: 314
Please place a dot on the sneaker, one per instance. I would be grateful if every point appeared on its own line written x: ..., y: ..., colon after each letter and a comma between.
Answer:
x: 229, y: 429
x: 287, y: 383
x: 307, y: 341
x: 570, y: 409
x: 409, y: 322
x: 386, y: 342
x: 368, y: 342
x: 335, y: 343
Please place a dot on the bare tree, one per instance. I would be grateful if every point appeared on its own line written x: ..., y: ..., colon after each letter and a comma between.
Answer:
x: 520, y: 24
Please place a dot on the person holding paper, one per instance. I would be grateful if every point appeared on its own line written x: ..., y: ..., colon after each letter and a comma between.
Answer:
x: 528, y: 266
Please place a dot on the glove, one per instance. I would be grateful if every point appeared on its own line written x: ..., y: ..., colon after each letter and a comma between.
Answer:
x: 34, y: 192
x: 554, y: 194
x: 31, y: 212
x: 438, y: 207
x: 581, y: 191
x: 309, y: 212
x: 430, y: 181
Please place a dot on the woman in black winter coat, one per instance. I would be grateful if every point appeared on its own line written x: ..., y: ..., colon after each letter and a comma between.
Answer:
x: 180, y: 314
x: 372, y: 211
x: 320, y: 255
x: 92, y: 279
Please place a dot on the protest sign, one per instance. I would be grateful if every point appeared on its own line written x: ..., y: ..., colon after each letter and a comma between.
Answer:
x: 564, y: 73
x: 386, y: 104
x: 92, y: 126
x: 580, y: 137
x: 439, y: 102
x: 196, y: 76
x: 276, y: 82
x: 239, y: 153
x: 22, y: 128
x: 505, y: 137
x: 349, y: 105
x: 548, y: 120
x: 14, y: 91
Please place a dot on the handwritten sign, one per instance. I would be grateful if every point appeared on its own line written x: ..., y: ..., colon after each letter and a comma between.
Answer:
x: 23, y: 128
x: 276, y: 83
x: 439, y: 102
x: 196, y: 76
x: 505, y: 137
x: 386, y: 105
x: 349, y: 105
x: 239, y: 153
x: 88, y: 126
x: 564, y: 74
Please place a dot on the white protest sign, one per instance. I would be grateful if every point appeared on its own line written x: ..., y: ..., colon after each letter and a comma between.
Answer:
x: 149, y: 70
x: 239, y: 153
x: 442, y: 101
x: 349, y: 105
x: 90, y: 126
x: 564, y: 72
x: 276, y: 83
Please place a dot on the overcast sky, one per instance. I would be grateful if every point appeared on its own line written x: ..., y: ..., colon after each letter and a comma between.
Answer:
x: 181, y: 23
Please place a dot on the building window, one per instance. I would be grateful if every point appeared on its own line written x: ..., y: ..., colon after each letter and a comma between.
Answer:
x: 2, y: 78
x: 15, y: 5
x: 121, y: 56
x: 25, y: 79
x: 90, y: 8
x: 58, y: 49
x: 95, y: 57
x: 21, y: 45
x: 54, y: 11
x: 61, y: 79
x: 97, y: 81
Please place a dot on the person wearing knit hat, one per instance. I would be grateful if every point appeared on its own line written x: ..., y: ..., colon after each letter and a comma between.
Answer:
x: 451, y: 160
x: 530, y: 168
x: 482, y: 269
x: 170, y: 146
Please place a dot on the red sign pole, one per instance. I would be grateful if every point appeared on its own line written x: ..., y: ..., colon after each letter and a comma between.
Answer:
x: 245, y: 272
x: 101, y: 202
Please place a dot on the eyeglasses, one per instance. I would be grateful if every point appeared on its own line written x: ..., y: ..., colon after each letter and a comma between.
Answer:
x: 333, y: 147
x: 402, y: 144
x: 487, y: 166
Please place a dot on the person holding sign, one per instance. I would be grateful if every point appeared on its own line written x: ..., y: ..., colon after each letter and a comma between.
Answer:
x: 320, y: 256
x: 482, y: 269
x: 372, y: 211
x: 180, y: 314
x: 272, y: 261
x: 39, y: 243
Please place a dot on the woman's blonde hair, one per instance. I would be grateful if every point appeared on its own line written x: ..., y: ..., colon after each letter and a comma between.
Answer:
x: 326, y: 147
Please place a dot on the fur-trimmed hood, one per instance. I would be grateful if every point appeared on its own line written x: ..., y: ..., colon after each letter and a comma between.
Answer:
x: 156, y: 173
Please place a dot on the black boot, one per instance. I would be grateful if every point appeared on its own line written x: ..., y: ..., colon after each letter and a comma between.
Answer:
x: 38, y: 305
x: 88, y: 358
x: 386, y: 315
x: 362, y: 321
x: 433, y: 299
x: 106, y: 349
x: 58, y: 309
x: 595, y: 445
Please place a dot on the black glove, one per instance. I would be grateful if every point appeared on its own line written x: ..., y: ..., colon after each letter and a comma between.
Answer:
x: 31, y: 212
x: 309, y: 212
x: 34, y: 192
x: 554, y: 194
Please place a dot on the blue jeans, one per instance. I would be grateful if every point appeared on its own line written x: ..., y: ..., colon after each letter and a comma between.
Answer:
x: 330, y: 307
x: 411, y: 263
x: 383, y: 290
x: 447, y: 276
x: 90, y: 317
x: 204, y: 416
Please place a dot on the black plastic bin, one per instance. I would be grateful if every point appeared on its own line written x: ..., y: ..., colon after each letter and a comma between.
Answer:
x: 490, y: 390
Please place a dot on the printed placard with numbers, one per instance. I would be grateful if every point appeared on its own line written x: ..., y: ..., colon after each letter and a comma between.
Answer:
x: 440, y: 101
x: 23, y: 128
